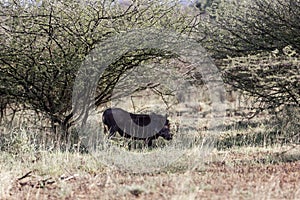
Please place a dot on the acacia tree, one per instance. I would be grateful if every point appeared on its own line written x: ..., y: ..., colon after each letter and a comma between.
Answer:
x: 43, y: 44
x: 257, y: 47
x: 257, y: 44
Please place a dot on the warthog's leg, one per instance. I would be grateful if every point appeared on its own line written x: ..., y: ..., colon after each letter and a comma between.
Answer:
x: 148, y: 142
x: 112, y: 131
x: 105, y: 129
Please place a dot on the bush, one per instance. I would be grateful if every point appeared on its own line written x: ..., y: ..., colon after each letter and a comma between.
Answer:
x: 273, y: 80
x: 257, y: 45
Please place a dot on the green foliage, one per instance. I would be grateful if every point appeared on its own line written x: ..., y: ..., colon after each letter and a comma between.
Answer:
x: 240, y: 27
x: 271, y: 78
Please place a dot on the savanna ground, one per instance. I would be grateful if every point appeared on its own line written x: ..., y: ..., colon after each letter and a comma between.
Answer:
x: 246, y: 162
x: 238, y: 173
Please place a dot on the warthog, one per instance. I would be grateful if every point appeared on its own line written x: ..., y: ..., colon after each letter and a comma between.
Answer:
x: 136, y: 126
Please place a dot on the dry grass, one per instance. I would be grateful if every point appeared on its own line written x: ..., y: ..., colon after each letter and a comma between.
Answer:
x: 237, y: 173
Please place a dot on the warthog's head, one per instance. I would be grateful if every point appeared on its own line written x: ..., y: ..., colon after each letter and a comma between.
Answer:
x: 165, y: 131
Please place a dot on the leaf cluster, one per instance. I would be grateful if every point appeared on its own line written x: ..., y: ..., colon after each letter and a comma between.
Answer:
x: 271, y: 78
x: 242, y: 27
